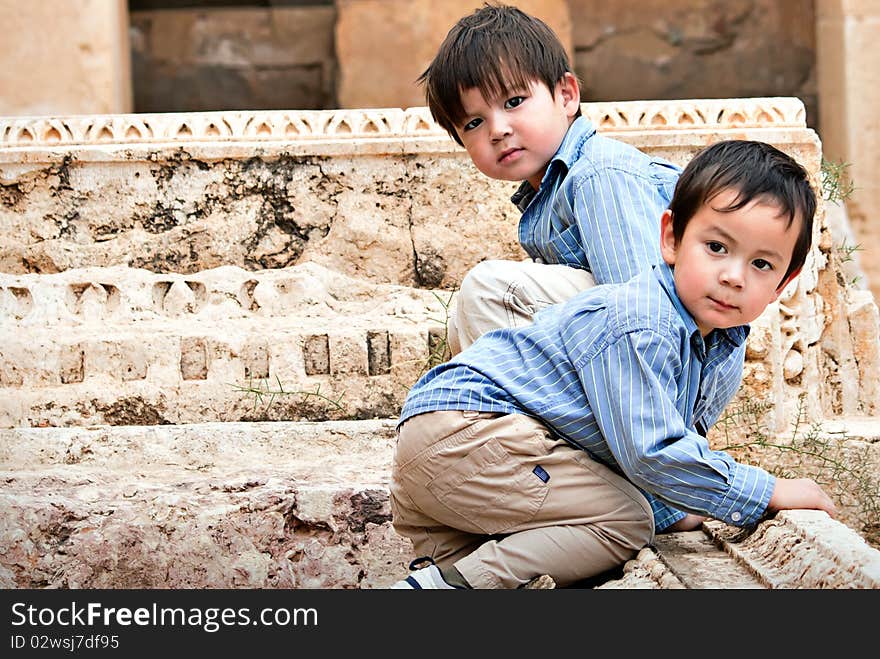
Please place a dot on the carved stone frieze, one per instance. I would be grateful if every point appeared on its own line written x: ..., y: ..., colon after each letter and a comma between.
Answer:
x: 387, y: 123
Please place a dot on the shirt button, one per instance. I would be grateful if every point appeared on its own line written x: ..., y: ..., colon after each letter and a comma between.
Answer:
x: 735, y: 517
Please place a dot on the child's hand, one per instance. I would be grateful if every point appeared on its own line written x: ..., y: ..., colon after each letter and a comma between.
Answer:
x: 800, y: 493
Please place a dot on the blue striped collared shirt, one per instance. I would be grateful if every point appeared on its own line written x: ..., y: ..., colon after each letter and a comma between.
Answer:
x: 598, y: 207
x: 622, y: 372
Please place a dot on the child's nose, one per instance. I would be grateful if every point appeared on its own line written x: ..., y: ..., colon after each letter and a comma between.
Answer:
x: 499, y: 127
x: 732, y: 273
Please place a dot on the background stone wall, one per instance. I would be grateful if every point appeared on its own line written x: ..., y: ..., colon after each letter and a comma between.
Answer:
x: 198, y: 56
x: 668, y: 49
x: 242, y: 58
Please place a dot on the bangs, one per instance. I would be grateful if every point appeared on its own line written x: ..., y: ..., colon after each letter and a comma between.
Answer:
x: 496, y: 50
x: 492, y: 75
x: 763, y: 190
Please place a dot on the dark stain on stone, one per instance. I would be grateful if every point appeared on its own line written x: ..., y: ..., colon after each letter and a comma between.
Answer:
x: 430, y: 268
x: 368, y: 506
x: 381, y: 404
x: 182, y: 258
x: 160, y: 220
x: 171, y: 164
x: 294, y: 525
x: 60, y: 529
x: 242, y: 486
x: 62, y: 171
x: 67, y: 226
x: 270, y: 179
x: 132, y: 411
x: 11, y: 195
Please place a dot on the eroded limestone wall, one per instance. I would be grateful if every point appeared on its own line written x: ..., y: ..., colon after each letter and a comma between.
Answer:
x: 381, y: 196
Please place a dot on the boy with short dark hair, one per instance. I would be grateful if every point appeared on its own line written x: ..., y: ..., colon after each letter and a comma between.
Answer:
x: 561, y: 447
x: 502, y: 86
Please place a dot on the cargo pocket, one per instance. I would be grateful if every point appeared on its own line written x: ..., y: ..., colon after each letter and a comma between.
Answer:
x: 490, y: 489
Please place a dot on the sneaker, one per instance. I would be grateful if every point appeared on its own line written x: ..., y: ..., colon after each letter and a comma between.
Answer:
x: 426, y: 578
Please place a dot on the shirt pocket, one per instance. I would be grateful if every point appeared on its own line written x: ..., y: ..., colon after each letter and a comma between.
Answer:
x: 490, y: 489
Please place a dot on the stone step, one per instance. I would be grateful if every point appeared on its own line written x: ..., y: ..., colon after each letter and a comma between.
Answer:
x: 840, y: 453
x: 118, y: 345
x: 305, y: 505
x: 225, y: 505
x: 346, y: 450
x: 794, y: 549
x: 334, y: 373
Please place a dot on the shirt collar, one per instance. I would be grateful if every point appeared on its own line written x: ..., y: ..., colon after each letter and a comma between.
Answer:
x: 734, y: 335
x: 567, y: 153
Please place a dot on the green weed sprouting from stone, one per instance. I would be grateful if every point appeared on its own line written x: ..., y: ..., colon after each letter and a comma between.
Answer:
x: 843, y: 468
x: 836, y: 184
x: 438, y: 348
x: 845, y: 252
x: 262, y: 390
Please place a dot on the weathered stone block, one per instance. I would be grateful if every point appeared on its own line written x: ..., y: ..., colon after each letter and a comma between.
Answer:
x: 316, y: 354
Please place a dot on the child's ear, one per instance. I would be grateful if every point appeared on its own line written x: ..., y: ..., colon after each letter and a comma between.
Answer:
x: 667, y: 238
x: 570, y: 93
x: 785, y: 283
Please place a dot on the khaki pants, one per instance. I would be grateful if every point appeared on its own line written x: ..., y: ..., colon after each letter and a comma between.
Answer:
x: 507, y: 294
x: 504, y: 501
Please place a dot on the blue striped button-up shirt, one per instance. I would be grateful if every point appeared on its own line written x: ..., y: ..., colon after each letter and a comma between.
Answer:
x: 622, y: 372
x: 598, y: 207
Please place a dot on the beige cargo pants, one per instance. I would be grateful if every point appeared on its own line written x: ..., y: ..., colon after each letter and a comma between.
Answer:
x: 500, y: 293
x: 503, y: 500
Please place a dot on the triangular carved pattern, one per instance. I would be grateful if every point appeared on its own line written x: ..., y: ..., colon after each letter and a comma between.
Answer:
x: 385, y: 123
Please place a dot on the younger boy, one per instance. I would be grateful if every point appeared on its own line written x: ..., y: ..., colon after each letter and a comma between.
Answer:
x: 560, y: 448
x: 502, y: 87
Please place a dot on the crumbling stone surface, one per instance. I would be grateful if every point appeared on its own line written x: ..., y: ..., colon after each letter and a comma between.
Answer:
x: 242, y: 531
x: 645, y: 572
x: 842, y: 453
x: 698, y: 563
x: 803, y: 549
x: 212, y: 506
x: 372, y: 217
x: 305, y: 505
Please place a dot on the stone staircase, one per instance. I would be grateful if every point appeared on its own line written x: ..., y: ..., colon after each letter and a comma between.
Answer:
x: 210, y: 321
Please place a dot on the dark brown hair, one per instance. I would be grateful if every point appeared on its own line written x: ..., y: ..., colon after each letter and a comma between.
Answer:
x: 494, y: 49
x: 756, y: 170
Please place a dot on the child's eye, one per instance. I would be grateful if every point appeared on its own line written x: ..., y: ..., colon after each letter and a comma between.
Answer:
x: 761, y: 264
x: 513, y: 102
x: 473, y: 123
x: 715, y: 247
